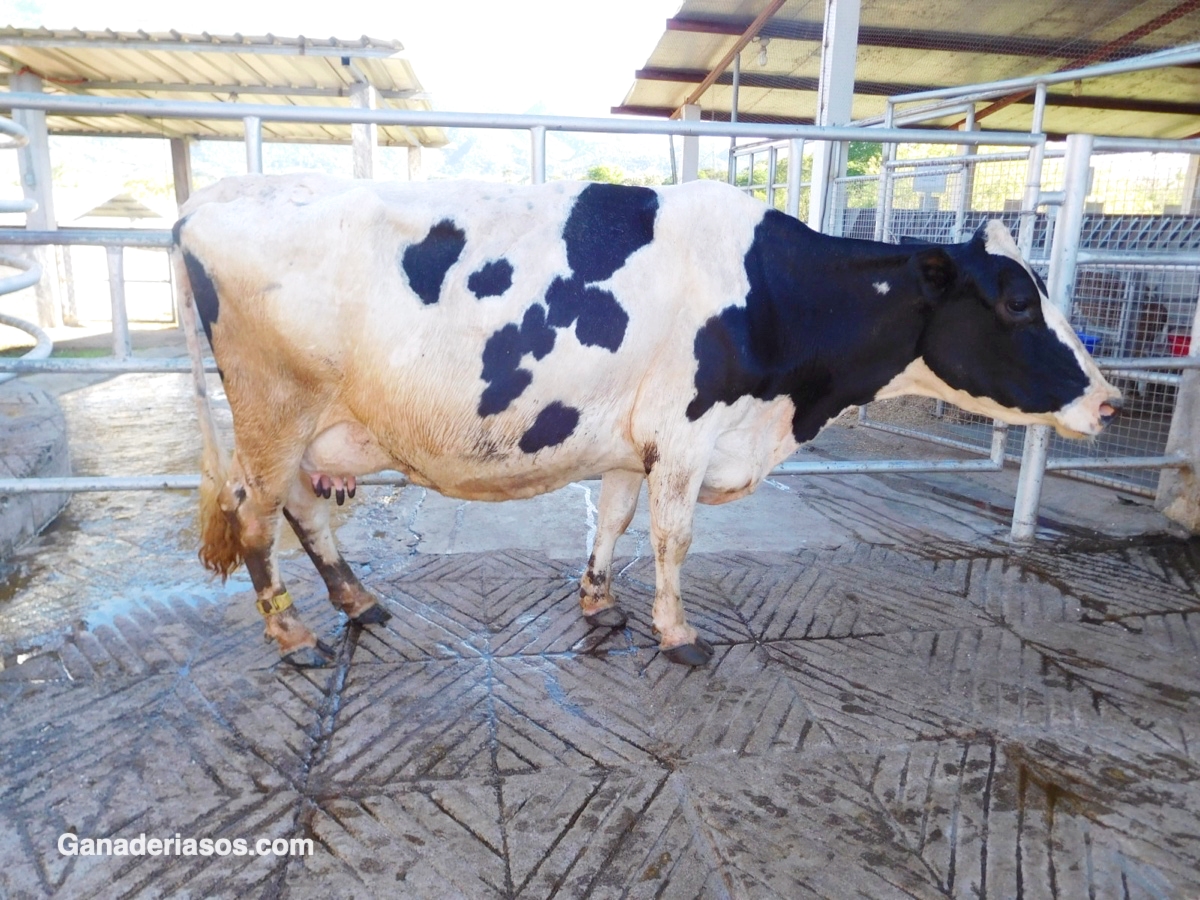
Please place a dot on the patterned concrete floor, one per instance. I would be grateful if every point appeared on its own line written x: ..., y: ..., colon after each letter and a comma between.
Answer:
x: 901, y: 704
x: 954, y: 721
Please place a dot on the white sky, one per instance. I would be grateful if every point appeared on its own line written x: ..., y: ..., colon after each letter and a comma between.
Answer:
x: 573, y: 57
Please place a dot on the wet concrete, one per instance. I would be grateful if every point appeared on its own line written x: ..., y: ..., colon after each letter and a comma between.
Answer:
x: 901, y: 703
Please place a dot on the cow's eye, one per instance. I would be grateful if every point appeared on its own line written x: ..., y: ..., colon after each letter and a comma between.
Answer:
x: 1018, y: 308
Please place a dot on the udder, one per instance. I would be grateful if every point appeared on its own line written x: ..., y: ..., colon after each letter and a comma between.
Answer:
x: 338, y: 455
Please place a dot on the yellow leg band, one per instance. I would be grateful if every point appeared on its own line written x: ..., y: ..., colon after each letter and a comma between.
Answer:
x: 273, y: 605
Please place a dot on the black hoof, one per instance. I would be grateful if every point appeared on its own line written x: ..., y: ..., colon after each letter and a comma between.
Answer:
x: 318, y: 657
x: 696, y: 654
x: 612, y: 617
x: 372, y: 615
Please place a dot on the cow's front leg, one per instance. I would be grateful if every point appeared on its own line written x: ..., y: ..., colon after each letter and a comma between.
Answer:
x: 673, y: 495
x: 618, y: 500
x: 309, y: 518
x: 255, y: 520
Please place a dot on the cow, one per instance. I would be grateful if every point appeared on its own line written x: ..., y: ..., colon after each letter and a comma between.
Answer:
x: 497, y: 341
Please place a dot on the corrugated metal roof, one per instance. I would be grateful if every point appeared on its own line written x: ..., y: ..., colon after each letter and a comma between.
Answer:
x: 295, y: 71
x: 907, y: 45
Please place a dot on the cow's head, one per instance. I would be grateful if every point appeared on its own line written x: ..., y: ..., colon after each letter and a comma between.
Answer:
x: 995, y: 345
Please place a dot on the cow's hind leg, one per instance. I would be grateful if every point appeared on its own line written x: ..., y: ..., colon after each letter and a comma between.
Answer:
x: 253, y: 514
x: 309, y: 518
x: 618, y: 500
x: 673, y: 494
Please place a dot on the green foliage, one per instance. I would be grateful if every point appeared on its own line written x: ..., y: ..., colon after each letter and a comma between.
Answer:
x: 616, y: 175
x: 864, y: 158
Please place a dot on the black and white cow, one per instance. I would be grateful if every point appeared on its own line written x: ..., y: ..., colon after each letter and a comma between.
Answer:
x: 495, y: 341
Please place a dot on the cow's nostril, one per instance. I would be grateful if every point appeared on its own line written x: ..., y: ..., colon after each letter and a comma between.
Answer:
x: 1110, y: 410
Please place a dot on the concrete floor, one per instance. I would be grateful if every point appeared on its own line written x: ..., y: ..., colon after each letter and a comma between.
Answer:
x: 901, y: 704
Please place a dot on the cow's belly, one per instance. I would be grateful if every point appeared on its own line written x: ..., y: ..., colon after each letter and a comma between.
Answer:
x: 756, y: 437
x: 468, y: 464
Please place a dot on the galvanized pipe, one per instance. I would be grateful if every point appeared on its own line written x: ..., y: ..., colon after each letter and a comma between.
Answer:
x: 108, y: 366
x: 253, y: 128
x: 63, y: 104
x: 537, y: 137
x: 1175, y: 56
x: 122, y: 347
x: 1033, y: 178
x: 1128, y: 258
x: 1063, y: 252
x: 76, y: 237
x: 795, y: 171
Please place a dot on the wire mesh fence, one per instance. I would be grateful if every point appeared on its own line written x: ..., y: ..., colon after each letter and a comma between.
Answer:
x: 1137, y: 203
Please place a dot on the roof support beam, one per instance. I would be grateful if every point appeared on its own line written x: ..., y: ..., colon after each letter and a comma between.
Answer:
x: 156, y: 87
x: 739, y: 44
x: 905, y: 38
x: 891, y: 88
x: 300, y: 47
x: 1103, y: 53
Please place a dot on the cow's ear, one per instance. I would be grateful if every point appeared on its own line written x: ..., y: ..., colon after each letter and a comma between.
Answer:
x: 937, y: 271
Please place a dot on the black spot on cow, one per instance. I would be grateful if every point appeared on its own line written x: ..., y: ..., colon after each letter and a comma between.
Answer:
x: 502, y: 356
x: 553, y: 425
x: 607, y: 224
x: 208, y: 305
x: 599, y: 320
x: 425, y: 264
x: 491, y: 279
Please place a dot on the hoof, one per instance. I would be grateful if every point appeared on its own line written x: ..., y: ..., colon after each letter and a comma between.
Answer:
x: 372, y: 615
x: 318, y: 657
x: 696, y: 654
x: 610, y: 617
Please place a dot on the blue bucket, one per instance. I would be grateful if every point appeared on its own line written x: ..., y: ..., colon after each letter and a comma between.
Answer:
x: 1091, y: 343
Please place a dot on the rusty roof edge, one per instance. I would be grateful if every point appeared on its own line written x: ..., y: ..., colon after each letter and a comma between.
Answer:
x: 174, y: 41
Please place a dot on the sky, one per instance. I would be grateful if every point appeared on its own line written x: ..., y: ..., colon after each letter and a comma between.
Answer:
x: 564, y: 57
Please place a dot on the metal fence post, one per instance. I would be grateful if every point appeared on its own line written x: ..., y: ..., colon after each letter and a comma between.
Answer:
x: 795, y: 173
x: 1063, y: 257
x: 537, y: 156
x: 122, y: 348
x: 253, y: 128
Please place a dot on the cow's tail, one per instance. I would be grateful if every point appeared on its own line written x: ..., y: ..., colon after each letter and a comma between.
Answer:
x: 220, y: 549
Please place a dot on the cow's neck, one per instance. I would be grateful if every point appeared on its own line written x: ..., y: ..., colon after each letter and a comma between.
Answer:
x: 832, y: 320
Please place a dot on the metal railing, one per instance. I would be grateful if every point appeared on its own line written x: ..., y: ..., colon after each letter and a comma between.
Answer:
x: 254, y: 117
x: 30, y: 272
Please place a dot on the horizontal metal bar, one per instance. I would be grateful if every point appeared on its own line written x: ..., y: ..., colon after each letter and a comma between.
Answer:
x: 54, y: 104
x: 886, y: 467
x: 79, y: 484
x: 1147, y: 377
x: 1014, y: 156
x: 103, y: 366
x: 920, y: 114
x: 1135, y: 258
x: 1175, y: 56
x: 1148, y: 362
x: 1119, y: 462
x: 107, y: 237
x: 1144, y: 145
x: 97, y: 484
